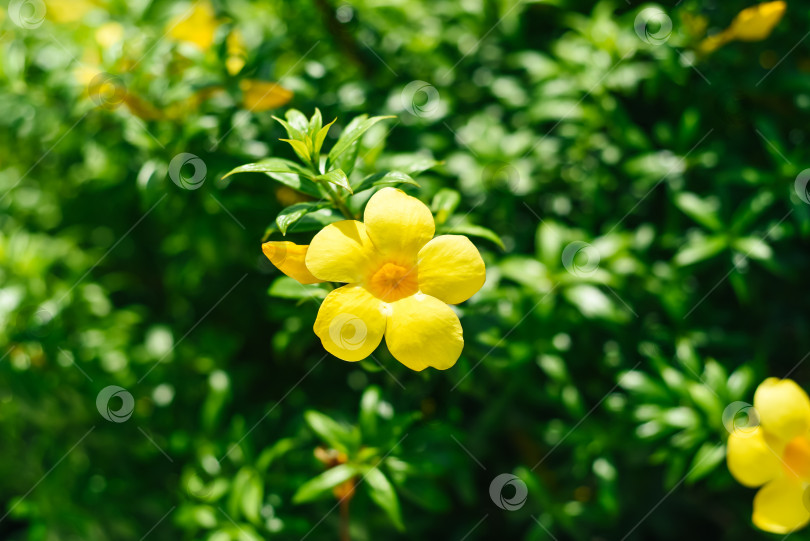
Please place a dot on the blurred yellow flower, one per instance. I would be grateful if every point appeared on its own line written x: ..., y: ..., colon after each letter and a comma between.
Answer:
x: 776, y: 456
x: 196, y: 26
x: 399, y: 283
x: 263, y: 95
x: 237, y: 53
x: 67, y: 11
x: 289, y: 258
x: 108, y: 34
x: 751, y: 24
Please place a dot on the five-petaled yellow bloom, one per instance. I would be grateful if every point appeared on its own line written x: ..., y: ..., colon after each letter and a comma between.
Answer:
x: 776, y: 456
x: 399, y: 283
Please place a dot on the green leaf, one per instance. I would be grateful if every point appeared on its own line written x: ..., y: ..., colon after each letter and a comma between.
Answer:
x: 292, y: 132
x: 293, y: 213
x: 284, y: 172
x: 702, y: 211
x: 708, y: 457
x: 754, y: 248
x: 337, y: 177
x: 700, y: 249
x: 444, y: 204
x: 369, y: 404
x: 252, y: 498
x: 314, y: 221
x: 300, y: 148
x: 353, y: 132
x: 270, y: 165
x: 333, y: 433
x: 473, y: 231
x: 298, y: 120
x: 324, y: 483
x: 382, y: 492
x: 320, y: 136
x: 315, y: 123
x: 420, y: 165
x: 285, y: 287
x: 384, y: 178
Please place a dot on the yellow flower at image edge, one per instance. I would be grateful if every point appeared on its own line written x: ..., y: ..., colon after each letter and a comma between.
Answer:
x: 776, y: 456
x: 400, y: 283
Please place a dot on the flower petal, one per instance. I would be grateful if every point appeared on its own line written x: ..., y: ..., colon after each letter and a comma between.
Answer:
x: 450, y: 269
x: 341, y: 252
x: 750, y: 460
x: 398, y: 224
x: 423, y: 331
x: 350, y: 323
x: 288, y: 257
x: 779, y: 507
x: 783, y: 408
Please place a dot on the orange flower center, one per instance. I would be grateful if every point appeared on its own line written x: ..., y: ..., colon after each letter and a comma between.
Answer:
x: 797, y: 457
x: 392, y: 282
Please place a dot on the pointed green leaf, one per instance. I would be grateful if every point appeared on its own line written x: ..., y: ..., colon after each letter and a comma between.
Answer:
x: 702, y: 211
x: 338, y: 177
x: 315, y: 123
x: 300, y: 148
x: 320, y: 136
x: 444, y: 204
x: 324, y: 483
x: 383, y: 494
x: 700, y: 249
x: 353, y: 132
x: 297, y: 120
x: 333, y: 433
x: 285, y: 287
x: 385, y: 178
x: 314, y: 221
x: 473, y: 231
x: 270, y: 165
x: 293, y: 213
x: 292, y: 132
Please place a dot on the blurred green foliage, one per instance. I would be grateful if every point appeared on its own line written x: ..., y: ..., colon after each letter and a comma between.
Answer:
x: 652, y: 268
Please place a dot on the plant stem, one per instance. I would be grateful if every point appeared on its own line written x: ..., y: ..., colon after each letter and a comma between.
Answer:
x: 344, y: 519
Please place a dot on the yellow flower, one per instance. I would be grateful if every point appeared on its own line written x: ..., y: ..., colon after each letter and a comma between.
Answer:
x: 751, y: 24
x: 237, y: 53
x: 776, y: 456
x: 289, y: 258
x: 263, y: 95
x: 399, y: 283
x: 196, y: 26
